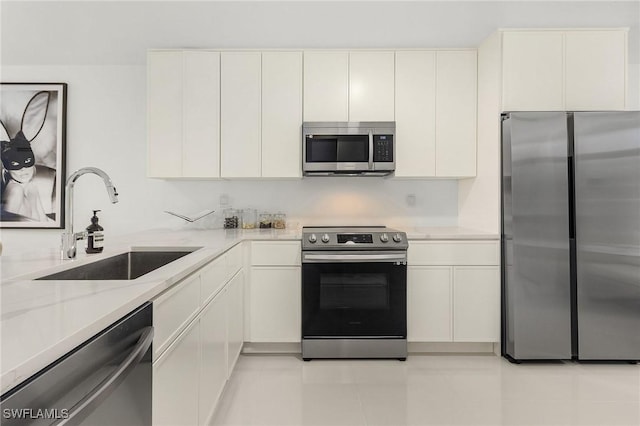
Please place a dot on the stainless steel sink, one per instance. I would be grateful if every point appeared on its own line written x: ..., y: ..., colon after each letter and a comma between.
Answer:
x: 125, y: 266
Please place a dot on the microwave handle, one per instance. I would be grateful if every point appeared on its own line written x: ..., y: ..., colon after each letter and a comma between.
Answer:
x: 370, y: 150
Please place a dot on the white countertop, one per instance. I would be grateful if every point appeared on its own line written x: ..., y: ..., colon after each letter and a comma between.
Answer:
x: 42, y: 320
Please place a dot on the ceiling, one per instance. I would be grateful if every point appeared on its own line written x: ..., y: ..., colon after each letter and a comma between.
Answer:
x: 119, y: 32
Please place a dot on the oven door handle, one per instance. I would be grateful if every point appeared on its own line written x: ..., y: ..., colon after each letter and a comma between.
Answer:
x: 353, y: 258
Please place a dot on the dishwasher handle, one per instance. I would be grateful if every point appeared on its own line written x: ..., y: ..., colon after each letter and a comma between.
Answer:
x: 83, y: 408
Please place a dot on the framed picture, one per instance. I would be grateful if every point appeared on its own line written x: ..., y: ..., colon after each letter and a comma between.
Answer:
x: 32, y: 137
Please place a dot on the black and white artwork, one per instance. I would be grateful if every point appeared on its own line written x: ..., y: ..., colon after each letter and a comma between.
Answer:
x: 32, y: 138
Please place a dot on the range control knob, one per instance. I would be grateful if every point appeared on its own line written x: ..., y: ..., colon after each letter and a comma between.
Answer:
x: 384, y: 238
x: 313, y: 238
x: 397, y: 238
x: 325, y: 238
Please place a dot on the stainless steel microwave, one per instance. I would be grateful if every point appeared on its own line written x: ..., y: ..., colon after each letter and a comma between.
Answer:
x: 348, y: 148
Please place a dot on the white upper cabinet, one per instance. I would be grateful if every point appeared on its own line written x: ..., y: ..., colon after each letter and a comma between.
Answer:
x: 553, y: 70
x: 326, y: 86
x: 281, y: 114
x: 371, y: 86
x: 595, y: 64
x: 436, y: 105
x: 415, y: 103
x: 456, y: 107
x: 183, y: 115
x: 532, y: 71
x: 240, y: 114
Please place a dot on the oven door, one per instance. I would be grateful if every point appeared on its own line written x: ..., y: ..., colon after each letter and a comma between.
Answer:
x: 354, y: 295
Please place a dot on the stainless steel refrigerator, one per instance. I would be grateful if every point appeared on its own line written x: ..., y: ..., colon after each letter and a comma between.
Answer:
x: 571, y: 236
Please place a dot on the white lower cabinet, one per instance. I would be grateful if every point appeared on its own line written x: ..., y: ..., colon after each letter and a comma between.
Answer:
x: 429, y: 304
x: 175, y: 381
x: 235, y: 319
x: 213, y: 355
x: 275, y: 305
x: 453, y: 291
x: 199, y: 322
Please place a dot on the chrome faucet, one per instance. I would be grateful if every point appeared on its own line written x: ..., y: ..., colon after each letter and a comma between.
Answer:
x: 69, y: 238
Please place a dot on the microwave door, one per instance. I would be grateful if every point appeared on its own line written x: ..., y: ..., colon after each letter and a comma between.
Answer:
x: 337, y: 152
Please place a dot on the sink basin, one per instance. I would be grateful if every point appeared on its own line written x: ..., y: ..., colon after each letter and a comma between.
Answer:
x: 125, y: 266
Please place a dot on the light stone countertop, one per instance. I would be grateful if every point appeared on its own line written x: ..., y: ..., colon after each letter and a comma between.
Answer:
x: 42, y: 320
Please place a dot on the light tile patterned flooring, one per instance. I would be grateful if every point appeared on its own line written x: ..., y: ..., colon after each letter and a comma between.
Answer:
x: 428, y: 390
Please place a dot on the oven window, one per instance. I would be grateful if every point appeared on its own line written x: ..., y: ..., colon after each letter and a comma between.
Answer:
x: 354, y: 300
x: 354, y: 291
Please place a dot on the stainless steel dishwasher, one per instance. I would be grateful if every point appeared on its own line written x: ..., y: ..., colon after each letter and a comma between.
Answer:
x: 104, y: 381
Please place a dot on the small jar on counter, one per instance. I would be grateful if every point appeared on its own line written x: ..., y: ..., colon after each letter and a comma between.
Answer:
x: 231, y: 218
x: 249, y: 218
x: 279, y: 220
x: 265, y: 220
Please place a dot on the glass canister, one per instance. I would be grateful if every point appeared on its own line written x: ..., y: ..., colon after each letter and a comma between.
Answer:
x: 249, y: 218
x: 279, y: 220
x: 264, y: 220
x: 231, y: 218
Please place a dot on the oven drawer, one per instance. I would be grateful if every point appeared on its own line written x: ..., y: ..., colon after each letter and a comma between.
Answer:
x: 275, y: 253
x: 436, y: 253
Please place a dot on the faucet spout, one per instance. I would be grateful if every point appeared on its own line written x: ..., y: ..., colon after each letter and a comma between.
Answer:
x: 69, y: 238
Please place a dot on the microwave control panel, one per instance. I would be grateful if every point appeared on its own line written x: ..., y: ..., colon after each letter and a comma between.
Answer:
x: 383, y: 148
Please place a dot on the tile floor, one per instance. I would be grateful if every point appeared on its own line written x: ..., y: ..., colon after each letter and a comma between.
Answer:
x: 428, y: 390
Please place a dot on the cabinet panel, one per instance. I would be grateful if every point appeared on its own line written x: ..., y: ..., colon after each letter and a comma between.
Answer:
x: 453, y: 253
x: 213, y: 278
x: 201, y: 120
x: 275, y: 301
x: 164, y: 114
x: 532, y: 71
x: 326, y: 86
x: 240, y: 114
x: 415, y: 104
x: 173, y: 310
x: 456, y: 100
x: 476, y: 304
x: 371, y: 86
x: 234, y: 260
x: 283, y: 253
x: 281, y: 114
x: 429, y: 304
x: 595, y: 70
x: 175, y: 381
x: 213, y: 353
x: 235, y: 319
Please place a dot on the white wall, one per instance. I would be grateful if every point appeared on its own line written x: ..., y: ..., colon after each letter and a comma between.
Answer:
x: 99, y: 49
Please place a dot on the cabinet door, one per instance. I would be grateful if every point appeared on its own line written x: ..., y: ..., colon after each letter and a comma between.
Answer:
x: 213, y: 354
x: 235, y: 319
x: 429, y: 304
x: 164, y: 114
x: 595, y: 70
x: 456, y: 100
x: 201, y: 115
x: 326, y: 86
x: 281, y: 114
x: 240, y: 114
x: 371, y: 86
x: 415, y: 114
x: 476, y: 303
x: 532, y: 71
x: 175, y: 381
x: 275, y: 300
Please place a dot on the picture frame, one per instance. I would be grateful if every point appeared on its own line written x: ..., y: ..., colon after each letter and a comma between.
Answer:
x: 33, y: 154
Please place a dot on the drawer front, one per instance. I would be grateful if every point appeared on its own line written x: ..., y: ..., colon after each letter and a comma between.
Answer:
x: 213, y: 278
x: 234, y: 260
x: 173, y: 310
x: 453, y: 253
x: 275, y: 253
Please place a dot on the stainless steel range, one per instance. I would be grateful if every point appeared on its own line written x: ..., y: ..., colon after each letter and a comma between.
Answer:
x: 354, y: 292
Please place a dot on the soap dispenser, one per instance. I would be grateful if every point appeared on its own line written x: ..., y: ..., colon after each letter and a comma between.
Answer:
x: 95, y: 236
